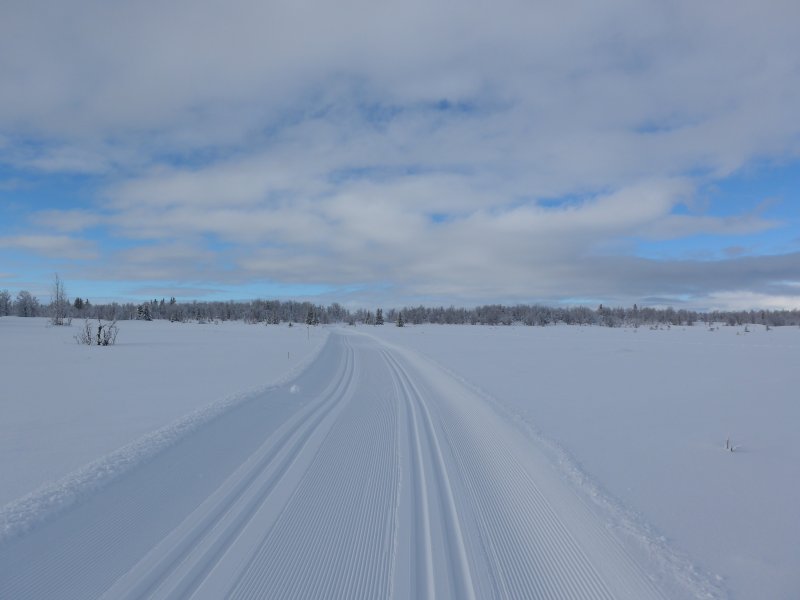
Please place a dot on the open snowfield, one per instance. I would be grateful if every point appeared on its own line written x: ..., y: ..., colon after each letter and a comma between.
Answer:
x: 65, y: 405
x: 643, y: 416
x: 460, y: 462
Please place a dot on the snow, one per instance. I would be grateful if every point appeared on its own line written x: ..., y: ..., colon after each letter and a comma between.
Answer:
x: 641, y: 417
x: 383, y: 477
x: 205, y: 461
x: 65, y: 405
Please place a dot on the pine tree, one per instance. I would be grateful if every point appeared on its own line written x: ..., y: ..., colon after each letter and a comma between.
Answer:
x: 143, y: 312
x: 400, y: 321
x: 379, y: 317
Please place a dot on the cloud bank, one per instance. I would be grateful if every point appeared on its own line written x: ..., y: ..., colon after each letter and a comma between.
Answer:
x: 423, y: 151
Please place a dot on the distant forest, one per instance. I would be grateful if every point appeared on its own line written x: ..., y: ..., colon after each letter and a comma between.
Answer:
x: 274, y: 312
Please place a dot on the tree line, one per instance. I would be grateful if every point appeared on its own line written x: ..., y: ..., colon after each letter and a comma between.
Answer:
x: 60, y: 309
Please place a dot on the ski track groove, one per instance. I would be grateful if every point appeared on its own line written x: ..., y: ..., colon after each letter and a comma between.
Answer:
x: 336, y: 397
x: 569, y: 571
x: 314, y: 551
x: 317, y: 510
x: 537, y: 515
x: 422, y: 571
x: 458, y: 564
x: 234, y: 506
x: 253, y: 589
x: 281, y: 512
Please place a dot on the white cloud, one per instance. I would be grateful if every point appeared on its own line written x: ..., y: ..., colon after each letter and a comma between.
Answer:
x: 53, y: 246
x: 578, y: 73
x: 313, y: 142
x: 67, y: 160
x: 675, y: 226
x: 744, y: 299
x: 66, y: 220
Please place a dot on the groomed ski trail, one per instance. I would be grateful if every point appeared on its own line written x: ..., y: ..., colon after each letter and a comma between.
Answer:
x: 375, y: 475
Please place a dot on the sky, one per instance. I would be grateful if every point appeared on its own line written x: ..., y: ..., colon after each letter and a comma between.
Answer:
x: 423, y: 152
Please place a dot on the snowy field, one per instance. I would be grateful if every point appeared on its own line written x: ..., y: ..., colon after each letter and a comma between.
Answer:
x: 644, y: 415
x: 64, y: 405
x: 448, y: 461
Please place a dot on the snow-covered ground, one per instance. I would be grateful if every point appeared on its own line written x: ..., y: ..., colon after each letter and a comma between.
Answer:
x: 644, y: 415
x: 373, y: 474
x: 64, y: 405
x: 432, y: 460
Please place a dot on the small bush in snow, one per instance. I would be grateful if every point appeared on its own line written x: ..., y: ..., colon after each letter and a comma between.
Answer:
x: 104, y: 335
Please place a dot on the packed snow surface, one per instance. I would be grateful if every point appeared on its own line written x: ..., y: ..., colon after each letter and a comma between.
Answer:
x: 641, y: 418
x: 451, y: 462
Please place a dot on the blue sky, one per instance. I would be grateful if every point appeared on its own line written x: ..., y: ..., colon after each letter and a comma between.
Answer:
x: 408, y: 153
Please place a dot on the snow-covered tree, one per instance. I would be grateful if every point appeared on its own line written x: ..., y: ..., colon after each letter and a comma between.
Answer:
x: 379, y: 317
x: 5, y: 303
x: 26, y: 304
x: 59, y: 303
x: 400, y: 321
x: 143, y: 312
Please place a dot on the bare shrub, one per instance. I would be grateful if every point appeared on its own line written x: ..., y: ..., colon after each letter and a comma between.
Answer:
x: 105, y: 334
